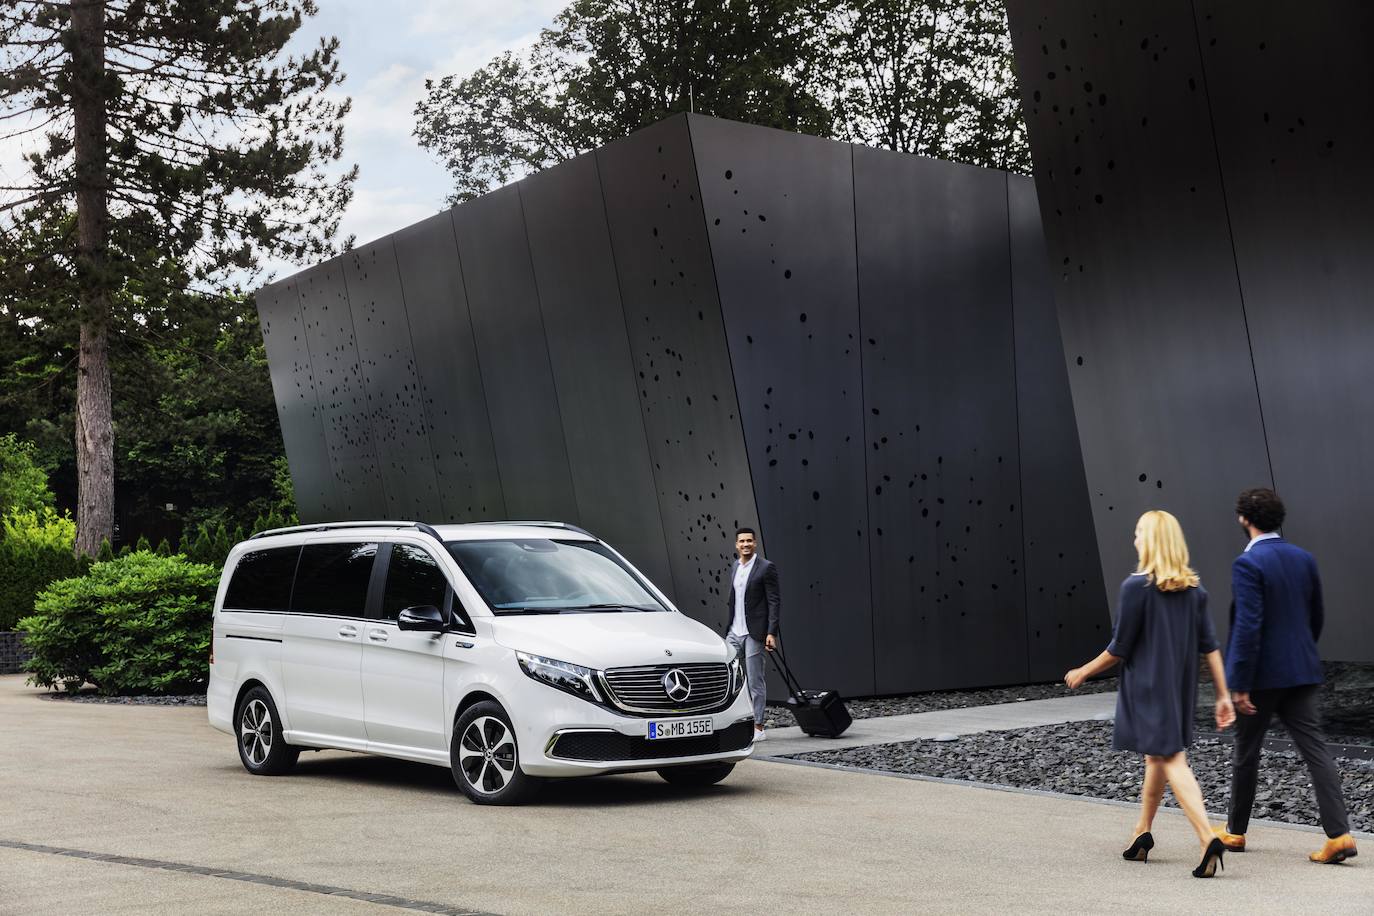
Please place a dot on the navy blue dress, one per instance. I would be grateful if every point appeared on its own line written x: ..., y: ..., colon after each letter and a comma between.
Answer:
x: 1158, y: 637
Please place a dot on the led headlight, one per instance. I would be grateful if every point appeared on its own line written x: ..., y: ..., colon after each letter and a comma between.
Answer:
x: 736, y: 677
x: 563, y: 676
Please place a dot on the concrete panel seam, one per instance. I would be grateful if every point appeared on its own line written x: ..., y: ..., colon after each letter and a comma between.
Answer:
x: 720, y: 306
x: 1231, y: 238
x: 639, y: 403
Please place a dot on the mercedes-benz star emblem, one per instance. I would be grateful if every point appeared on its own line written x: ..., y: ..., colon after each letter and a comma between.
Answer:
x: 676, y: 685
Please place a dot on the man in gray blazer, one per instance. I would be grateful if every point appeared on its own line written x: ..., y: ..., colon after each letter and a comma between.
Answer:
x: 755, y: 609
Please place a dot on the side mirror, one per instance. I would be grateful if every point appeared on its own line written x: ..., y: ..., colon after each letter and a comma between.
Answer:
x: 425, y: 618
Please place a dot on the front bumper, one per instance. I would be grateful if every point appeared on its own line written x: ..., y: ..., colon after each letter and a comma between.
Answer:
x: 562, y: 735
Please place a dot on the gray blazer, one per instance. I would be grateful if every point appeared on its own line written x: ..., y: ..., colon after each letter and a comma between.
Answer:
x: 762, y: 599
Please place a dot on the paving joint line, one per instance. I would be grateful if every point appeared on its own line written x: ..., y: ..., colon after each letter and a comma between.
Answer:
x: 404, y: 903
x: 1018, y: 790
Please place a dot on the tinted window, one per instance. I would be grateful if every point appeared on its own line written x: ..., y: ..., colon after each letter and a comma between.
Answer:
x: 332, y: 579
x: 412, y: 579
x: 262, y: 580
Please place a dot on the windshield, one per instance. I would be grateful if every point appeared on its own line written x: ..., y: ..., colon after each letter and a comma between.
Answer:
x: 542, y: 576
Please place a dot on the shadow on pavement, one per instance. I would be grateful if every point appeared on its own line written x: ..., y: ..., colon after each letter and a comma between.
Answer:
x: 592, y: 791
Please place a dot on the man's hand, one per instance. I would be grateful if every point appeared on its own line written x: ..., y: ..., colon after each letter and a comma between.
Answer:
x: 770, y: 643
x: 1226, y: 713
x: 1243, y: 704
x: 1075, y: 678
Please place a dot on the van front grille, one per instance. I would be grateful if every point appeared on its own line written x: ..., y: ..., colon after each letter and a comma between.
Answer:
x: 645, y: 689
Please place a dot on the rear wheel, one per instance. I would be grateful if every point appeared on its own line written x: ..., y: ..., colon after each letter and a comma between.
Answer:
x: 485, y: 757
x: 702, y: 774
x: 262, y: 749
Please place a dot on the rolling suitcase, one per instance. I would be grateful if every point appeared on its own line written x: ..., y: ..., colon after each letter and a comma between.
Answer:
x: 820, y: 713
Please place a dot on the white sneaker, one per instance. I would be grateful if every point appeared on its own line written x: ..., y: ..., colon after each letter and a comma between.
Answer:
x: 760, y: 735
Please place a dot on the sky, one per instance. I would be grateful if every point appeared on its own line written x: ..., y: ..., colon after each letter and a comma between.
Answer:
x: 387, y: 50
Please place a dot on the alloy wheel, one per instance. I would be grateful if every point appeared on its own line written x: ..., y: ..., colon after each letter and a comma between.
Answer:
x: 486, y: 755
x: 255, y: 732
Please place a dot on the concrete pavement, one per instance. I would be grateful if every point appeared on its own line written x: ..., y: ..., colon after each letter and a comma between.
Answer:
x: 967, y: 721
x: 158, y: 783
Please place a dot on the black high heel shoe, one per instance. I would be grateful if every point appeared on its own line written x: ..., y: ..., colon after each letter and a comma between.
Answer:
x: 1211, y: 859
x: 1140, y: 849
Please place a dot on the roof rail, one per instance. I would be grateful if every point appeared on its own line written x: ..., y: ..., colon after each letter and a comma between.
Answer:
x: 538, y: 524
x: 333, y: 526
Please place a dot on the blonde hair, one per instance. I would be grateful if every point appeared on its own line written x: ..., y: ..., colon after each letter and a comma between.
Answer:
x: 1163, y: 552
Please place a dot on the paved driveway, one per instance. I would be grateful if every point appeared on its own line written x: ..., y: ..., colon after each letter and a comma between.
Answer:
x: 155, y: 789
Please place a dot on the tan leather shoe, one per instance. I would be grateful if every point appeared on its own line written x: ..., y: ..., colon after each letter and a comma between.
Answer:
x: 1234, y: 842
x: 1336, y: 850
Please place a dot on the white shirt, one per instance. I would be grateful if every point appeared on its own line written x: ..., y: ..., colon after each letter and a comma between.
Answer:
x: 738, y: 627
x: 1260, y: 537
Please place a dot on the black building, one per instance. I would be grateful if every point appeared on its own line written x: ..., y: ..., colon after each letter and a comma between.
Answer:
x: 708, y: 325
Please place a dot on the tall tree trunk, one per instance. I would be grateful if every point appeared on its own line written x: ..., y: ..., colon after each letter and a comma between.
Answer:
x: 94, y: 414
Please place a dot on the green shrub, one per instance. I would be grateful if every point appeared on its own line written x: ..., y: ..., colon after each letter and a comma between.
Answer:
x: 35, y: 549
x: 23, y: 483
x: 136, y: 624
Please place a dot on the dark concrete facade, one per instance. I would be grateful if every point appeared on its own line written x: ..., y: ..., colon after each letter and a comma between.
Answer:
x: 1204, y: 177
x: 708, y: 325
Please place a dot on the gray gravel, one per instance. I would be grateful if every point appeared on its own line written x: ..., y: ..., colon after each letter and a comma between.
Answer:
x: 191, y: 700
x: 1076, y: 758
x: 778, y: 716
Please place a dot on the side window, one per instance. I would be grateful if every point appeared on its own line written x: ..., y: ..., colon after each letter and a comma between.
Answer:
x: 262, y: 580
x: 333, y: 578
x: 413, y: 578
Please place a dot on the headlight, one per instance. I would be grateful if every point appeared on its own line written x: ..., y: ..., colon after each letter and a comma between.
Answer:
x: 736, y: 677
x: 563, y: 676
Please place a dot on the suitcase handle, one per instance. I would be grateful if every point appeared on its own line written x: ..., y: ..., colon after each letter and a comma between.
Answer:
x: 788, y: 678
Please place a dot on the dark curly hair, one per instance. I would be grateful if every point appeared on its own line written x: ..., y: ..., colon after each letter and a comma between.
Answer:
x: 1262, y: 508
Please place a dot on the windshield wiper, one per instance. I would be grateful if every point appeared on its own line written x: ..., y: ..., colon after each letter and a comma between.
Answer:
x: 607, y: 607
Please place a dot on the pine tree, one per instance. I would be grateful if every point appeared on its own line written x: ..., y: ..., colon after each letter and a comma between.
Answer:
x: 186, y: 144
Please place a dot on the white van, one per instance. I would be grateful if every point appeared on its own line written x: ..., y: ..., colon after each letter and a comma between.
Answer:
x: 506, y: 651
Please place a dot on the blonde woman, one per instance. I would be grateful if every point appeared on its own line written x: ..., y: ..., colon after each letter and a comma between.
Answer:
x: 1162, y: 627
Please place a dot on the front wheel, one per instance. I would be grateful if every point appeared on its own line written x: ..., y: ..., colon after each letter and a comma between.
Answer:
x: 703, y: 774
x: 262, y: 749
x: 485, y: 757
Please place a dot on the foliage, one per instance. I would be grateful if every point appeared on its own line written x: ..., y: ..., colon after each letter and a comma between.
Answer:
x: 933, y: 77
x: 35, y: 549
x: 922, y: 76
x: 195, y: 418
x: 606, y: 68
x: 167, y: 143
x: 23, y: 483
x: 211, y: 542
x: 137, y: 624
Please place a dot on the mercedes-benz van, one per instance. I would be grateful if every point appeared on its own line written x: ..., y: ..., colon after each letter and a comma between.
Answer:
x: 509, y: 652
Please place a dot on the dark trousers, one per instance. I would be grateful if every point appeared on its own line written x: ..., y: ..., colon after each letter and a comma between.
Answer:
x: 1296, y: 708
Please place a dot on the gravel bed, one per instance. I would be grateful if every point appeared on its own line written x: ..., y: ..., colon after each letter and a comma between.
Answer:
x: 779, y: 716
x: 191, y: 700
x: 1076, y: 759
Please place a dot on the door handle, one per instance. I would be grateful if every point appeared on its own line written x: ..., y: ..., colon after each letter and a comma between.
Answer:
x: 377, y: 635
x: 348, y: 632
x: 462, y: 644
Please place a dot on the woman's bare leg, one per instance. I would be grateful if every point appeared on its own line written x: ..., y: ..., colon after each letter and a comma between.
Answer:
x: 1188, y: 794
x: 1150, y: 795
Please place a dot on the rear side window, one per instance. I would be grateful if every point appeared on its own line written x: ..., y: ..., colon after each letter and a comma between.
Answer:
x: 413, y: 579
x: 262, y: 580
x: 333, y: 578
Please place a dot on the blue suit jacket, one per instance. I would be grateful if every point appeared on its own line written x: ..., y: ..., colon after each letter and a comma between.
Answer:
x: 1276, y: 618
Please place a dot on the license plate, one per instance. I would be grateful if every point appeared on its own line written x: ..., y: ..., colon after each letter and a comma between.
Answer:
x: 680, y: 728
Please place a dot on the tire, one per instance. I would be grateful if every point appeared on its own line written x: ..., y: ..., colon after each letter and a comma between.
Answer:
x: 485, y: 757
x: 262, y: 749
x: 703, y: 774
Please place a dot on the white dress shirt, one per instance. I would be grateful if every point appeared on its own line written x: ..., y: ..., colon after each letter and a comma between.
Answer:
x: 739, y: 627
x: 1260, y: 537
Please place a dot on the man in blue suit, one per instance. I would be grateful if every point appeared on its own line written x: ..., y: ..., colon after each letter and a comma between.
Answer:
x: 1273, y: 668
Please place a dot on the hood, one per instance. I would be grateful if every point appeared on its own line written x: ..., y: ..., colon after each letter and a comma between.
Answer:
x: 611, y: 640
